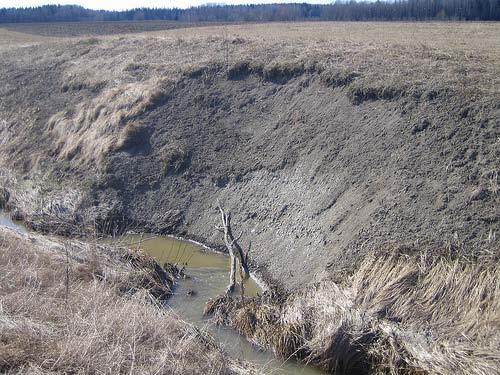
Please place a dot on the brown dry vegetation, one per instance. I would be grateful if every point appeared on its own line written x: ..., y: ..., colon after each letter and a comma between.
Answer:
x: 93, y: 311
x: 326, y: 140
x: 395, y: 315
x: 72, y: 29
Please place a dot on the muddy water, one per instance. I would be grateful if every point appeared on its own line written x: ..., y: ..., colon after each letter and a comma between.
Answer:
x: 208, y: 273
x: 208, y: 277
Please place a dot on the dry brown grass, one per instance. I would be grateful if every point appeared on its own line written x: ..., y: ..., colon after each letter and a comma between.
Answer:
x: 397, y: 315
x: 103, y: 124
x: 447, y: 54
x: 103, y: 319
x: 15, y: 39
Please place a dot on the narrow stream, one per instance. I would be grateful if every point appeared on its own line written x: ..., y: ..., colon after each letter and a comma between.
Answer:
x: 208, y: 276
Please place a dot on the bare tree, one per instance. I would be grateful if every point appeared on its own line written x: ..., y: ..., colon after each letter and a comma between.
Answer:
x: 234, y: 249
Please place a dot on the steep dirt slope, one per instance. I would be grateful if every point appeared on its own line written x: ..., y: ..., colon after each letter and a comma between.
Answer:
x: 310, y: 178
x: 322, y: 149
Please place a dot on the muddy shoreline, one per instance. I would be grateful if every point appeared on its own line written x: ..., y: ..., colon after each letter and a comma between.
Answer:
x: 173, y: 278
x: 264, y: 282
x: 96, y: 278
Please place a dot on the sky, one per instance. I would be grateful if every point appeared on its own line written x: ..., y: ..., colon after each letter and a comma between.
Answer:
x: 128, y: 4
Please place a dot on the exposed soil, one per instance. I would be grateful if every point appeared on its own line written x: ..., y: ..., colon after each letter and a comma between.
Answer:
x: 317, y: 166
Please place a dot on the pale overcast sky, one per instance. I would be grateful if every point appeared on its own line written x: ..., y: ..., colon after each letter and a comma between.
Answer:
x: 127, y: 4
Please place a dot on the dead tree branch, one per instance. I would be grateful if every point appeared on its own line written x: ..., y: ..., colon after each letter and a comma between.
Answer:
x: 234, y: 249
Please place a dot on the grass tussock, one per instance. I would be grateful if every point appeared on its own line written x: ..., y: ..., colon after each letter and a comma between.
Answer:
x: 396, y: 315
x: 105, y: 123
x: 75, y: 308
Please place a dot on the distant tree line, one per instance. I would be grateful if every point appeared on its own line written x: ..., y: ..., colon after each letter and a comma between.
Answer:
x: 338, y: 11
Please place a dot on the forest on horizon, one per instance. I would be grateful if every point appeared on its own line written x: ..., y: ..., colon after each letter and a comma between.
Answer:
x: 415, y: 10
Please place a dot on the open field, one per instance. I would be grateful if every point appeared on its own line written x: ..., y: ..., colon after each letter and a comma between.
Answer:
x: 360, y: 45
x: 332, y: 144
